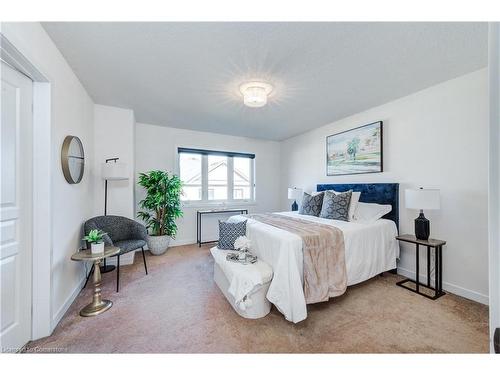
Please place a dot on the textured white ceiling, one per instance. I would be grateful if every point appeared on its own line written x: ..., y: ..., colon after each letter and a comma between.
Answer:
x: 186, y: 75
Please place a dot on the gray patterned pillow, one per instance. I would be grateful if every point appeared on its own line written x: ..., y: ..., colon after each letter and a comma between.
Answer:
x: 336, y: 206
x: 229, y: 232
x: 311, y: 204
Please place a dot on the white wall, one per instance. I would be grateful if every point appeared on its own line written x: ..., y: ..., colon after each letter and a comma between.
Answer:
x: 114, y: 130
x: 438, y: 138
x: 156, y: 148
x: 72, y: 112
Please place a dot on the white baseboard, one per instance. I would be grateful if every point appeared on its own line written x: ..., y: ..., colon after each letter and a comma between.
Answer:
x: 62, y: 310
x: 179, y: 242
x: 182, y: 242
x: 452, y: 288
x: 125, y: 260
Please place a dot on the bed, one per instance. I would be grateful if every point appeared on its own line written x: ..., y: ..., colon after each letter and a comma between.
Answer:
x: 370, y: 248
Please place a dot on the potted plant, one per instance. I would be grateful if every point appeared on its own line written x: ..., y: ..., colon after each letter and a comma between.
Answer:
x: 96, y: 239
x: 161, y: 206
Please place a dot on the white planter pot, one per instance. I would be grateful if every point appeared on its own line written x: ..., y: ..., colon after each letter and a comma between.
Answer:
x: 97, y: 248
x: 158, y: 244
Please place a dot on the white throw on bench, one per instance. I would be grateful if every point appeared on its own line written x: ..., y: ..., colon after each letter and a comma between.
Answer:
x: 244, y: 286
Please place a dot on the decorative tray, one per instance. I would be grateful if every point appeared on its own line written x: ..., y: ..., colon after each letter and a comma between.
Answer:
x: 249, y: 258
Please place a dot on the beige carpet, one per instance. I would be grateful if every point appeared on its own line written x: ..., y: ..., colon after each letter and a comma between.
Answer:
x: 178, y: 308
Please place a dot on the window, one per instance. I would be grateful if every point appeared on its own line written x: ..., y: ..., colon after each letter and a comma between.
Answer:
x: 242, y: 178
x: 190, y: 175
x: 216, y: 176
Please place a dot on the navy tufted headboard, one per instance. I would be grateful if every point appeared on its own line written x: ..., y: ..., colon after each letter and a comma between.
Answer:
x: 381, y: 193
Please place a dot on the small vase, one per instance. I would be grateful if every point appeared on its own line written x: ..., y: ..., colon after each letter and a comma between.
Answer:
x: 97, y: 248
x: 242, y: 255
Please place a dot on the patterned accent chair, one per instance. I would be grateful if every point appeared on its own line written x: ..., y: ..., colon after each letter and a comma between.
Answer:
x: 122, y: 232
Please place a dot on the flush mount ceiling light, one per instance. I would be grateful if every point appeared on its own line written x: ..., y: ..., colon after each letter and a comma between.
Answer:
x: 255, y: 93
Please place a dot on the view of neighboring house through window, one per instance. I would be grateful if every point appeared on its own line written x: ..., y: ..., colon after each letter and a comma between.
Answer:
x: 214, y: 176
x: 190, y: 174
x: 217, y: 177
x: 242, y: 178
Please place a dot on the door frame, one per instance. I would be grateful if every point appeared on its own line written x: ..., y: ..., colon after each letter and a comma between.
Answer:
x: 42, y: 199
x: 494, y: 178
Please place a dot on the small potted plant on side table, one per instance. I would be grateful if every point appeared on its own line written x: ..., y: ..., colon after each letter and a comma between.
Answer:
x: 96, y: 239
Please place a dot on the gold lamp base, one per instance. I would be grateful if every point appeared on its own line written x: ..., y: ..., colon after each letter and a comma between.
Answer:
x: 95, y: 309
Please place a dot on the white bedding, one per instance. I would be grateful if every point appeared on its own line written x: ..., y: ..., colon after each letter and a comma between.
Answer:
x: 370, y: 249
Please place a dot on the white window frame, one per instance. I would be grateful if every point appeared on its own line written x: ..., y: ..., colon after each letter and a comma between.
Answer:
x: 204, y: 201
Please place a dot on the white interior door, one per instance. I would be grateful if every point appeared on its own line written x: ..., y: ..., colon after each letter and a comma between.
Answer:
x: 15, y: 208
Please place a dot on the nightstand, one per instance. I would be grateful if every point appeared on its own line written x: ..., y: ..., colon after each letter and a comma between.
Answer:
x: 431, y: 243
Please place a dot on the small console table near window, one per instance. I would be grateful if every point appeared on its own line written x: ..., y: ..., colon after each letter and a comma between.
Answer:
x: 437, y: 245
x: 201, y: 213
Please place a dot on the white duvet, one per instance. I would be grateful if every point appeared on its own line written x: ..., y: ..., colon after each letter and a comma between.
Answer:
x: 370, y: 249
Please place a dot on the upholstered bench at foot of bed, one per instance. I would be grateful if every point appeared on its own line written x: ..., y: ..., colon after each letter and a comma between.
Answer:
x: 259, y: 307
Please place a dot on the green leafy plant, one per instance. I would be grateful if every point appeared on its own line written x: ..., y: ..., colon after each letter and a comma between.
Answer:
x: 95, y: 236
x: 162, y: 204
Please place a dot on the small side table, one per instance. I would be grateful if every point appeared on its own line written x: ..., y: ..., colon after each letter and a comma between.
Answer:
x: 437, y: 245
x: 98, y: 305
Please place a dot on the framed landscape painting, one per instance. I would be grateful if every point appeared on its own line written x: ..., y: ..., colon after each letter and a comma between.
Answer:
x: 355, y: 151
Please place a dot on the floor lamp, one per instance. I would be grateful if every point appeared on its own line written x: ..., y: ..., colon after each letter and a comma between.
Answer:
x: 111, y: 170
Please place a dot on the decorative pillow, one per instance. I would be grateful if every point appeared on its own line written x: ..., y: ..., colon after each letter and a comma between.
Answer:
x: 336, y: 206
x: 353, y: 204
x: 229, y: 232
x: 371, y: 212
x: 311, y: 204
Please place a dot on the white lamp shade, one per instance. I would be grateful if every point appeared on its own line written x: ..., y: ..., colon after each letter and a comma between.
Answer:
x: 422, y: 199
x: 114, y: 171
x: 294, y: 193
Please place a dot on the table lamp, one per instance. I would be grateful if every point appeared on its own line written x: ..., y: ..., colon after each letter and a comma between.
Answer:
x: 294, y: 193
x: 422, y: 199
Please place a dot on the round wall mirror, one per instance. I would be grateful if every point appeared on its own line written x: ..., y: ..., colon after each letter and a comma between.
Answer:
x: 72, y: 159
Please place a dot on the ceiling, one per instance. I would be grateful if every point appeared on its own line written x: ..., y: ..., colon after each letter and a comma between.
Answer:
x: 186, y: 75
